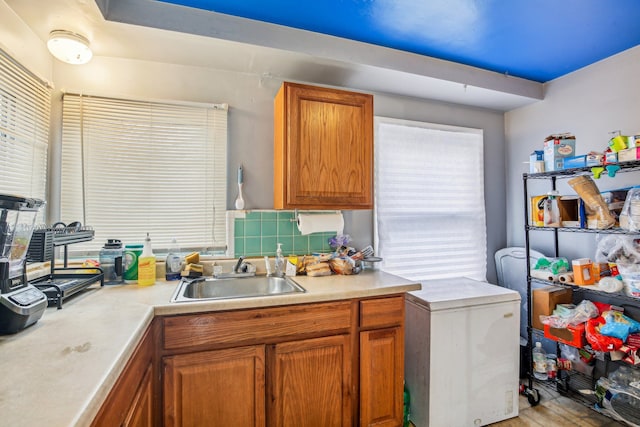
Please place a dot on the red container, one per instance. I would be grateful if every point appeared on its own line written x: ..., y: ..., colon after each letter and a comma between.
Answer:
x: 571, y: 335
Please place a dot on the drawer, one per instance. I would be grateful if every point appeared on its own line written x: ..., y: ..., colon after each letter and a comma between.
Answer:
x: 262, y: 325
x: 381, y: 312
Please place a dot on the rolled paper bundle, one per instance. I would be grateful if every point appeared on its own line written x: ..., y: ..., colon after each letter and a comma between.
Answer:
x: 552, y: 277
x: 540, y: 274
x: 565, y: 277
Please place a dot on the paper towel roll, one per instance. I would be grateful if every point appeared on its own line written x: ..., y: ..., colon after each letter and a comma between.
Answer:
x: 565, y: 277
x: 544, y: 275
x: 318, y: 223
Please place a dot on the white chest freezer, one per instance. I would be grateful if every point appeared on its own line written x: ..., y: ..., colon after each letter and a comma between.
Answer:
x: 462, y: 353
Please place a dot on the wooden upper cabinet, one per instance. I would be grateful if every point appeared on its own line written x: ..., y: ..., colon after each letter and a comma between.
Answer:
x: 323, y: 151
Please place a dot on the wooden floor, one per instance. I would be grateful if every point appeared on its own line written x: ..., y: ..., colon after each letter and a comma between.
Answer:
x: 556, y: 410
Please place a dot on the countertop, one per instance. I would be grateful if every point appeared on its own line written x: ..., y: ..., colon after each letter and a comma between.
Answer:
x: 59, y: 371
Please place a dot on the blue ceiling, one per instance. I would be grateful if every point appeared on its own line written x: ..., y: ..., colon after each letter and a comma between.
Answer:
x: 537, y: 40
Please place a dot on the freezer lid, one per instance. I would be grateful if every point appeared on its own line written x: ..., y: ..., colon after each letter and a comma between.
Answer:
x: 445, y: 294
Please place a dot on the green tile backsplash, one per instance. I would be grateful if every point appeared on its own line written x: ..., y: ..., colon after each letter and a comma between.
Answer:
x: 259, y: 232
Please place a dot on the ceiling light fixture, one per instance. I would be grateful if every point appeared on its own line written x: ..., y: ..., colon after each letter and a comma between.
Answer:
x: 69, y: 47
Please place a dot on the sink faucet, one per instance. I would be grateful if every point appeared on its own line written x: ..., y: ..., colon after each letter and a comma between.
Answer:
x: 239, y: 264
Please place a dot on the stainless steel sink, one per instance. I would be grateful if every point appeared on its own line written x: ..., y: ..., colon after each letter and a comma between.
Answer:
x: 203, y: 289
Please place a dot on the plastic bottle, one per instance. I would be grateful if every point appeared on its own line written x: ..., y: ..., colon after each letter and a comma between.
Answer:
x: 407, y: 405
x: 173, y: 263
x: 147, y: 265
x: 539, y: 362
x: 279, y: 261
x: 110, y: 258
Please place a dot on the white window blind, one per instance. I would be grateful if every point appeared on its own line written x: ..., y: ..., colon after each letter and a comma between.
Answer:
x: 429, y: 200
x: 131, y: 167
x: 25, y: 102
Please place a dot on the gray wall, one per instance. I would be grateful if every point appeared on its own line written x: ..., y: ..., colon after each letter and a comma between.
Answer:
x: 590, y: 103
x: 251, y: 126
x: 250, y: 97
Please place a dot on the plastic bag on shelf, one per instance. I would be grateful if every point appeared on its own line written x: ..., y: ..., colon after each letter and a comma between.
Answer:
x: 618, y: 325
x: 598, y: 341
x: 621, y: 402
x: 619, y: 249
x: 584, y: 311
x: 553, y: 265
x: 630, y: 215
x: 631, y: 277
x: 579, y: 314
x: 625, y: 375
x: 576, y: 360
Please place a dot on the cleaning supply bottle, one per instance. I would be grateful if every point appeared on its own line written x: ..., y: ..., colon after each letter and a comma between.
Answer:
x: 173, y: 263
x: 279, y: 261
x: 539, y: 362
x: 147, y: 265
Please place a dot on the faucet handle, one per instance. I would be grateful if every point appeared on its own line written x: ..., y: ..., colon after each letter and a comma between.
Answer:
x: 238, y: 266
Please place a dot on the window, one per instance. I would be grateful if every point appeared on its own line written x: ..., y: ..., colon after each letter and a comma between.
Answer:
x: 25, y: 102
x: 131, y: 167
x: 429, y: 200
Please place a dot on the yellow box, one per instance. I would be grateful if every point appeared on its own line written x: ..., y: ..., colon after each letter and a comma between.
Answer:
x: 537, y: 210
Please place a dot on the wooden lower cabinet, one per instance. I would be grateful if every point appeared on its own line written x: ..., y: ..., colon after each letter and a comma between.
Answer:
x: 337, y: 363
x: 309, y: 383
x: 215, y: 388
x: 381, y: 377
x: 131, y: 402
x: 141, y: 411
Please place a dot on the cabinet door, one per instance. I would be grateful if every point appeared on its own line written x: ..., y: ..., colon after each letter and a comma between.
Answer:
x: 131, y: 400
x: 141, y: 411
x: 323, y: 148
x: 309, y: 383
x: 381, y: 377
x: 215, y: 388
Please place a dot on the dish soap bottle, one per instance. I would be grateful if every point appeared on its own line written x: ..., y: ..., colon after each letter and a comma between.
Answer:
x: 173, y: 263
x: 279, y: 261
x: 147, y: 265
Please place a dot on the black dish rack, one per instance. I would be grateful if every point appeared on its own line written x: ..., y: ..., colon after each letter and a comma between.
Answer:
x: 62, y: 282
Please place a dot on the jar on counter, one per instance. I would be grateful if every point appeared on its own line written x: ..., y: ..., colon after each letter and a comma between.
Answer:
x: 110, y: 259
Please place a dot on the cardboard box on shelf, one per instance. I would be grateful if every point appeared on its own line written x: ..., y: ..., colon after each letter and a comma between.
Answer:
x: 574, y: 162
x: 569, y: 207
x: 545, y: 301
x: 556, y: 148
x: 595, y: 159
x: 629, y: 155
x: 571, y: 335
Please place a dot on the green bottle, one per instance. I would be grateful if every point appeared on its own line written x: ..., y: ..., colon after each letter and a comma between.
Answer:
x: 407, y: 401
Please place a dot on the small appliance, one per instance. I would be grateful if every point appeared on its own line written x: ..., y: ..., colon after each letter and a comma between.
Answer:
x: 21, y: 304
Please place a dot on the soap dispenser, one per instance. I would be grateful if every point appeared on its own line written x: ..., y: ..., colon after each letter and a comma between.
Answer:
x: 279, y: 261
